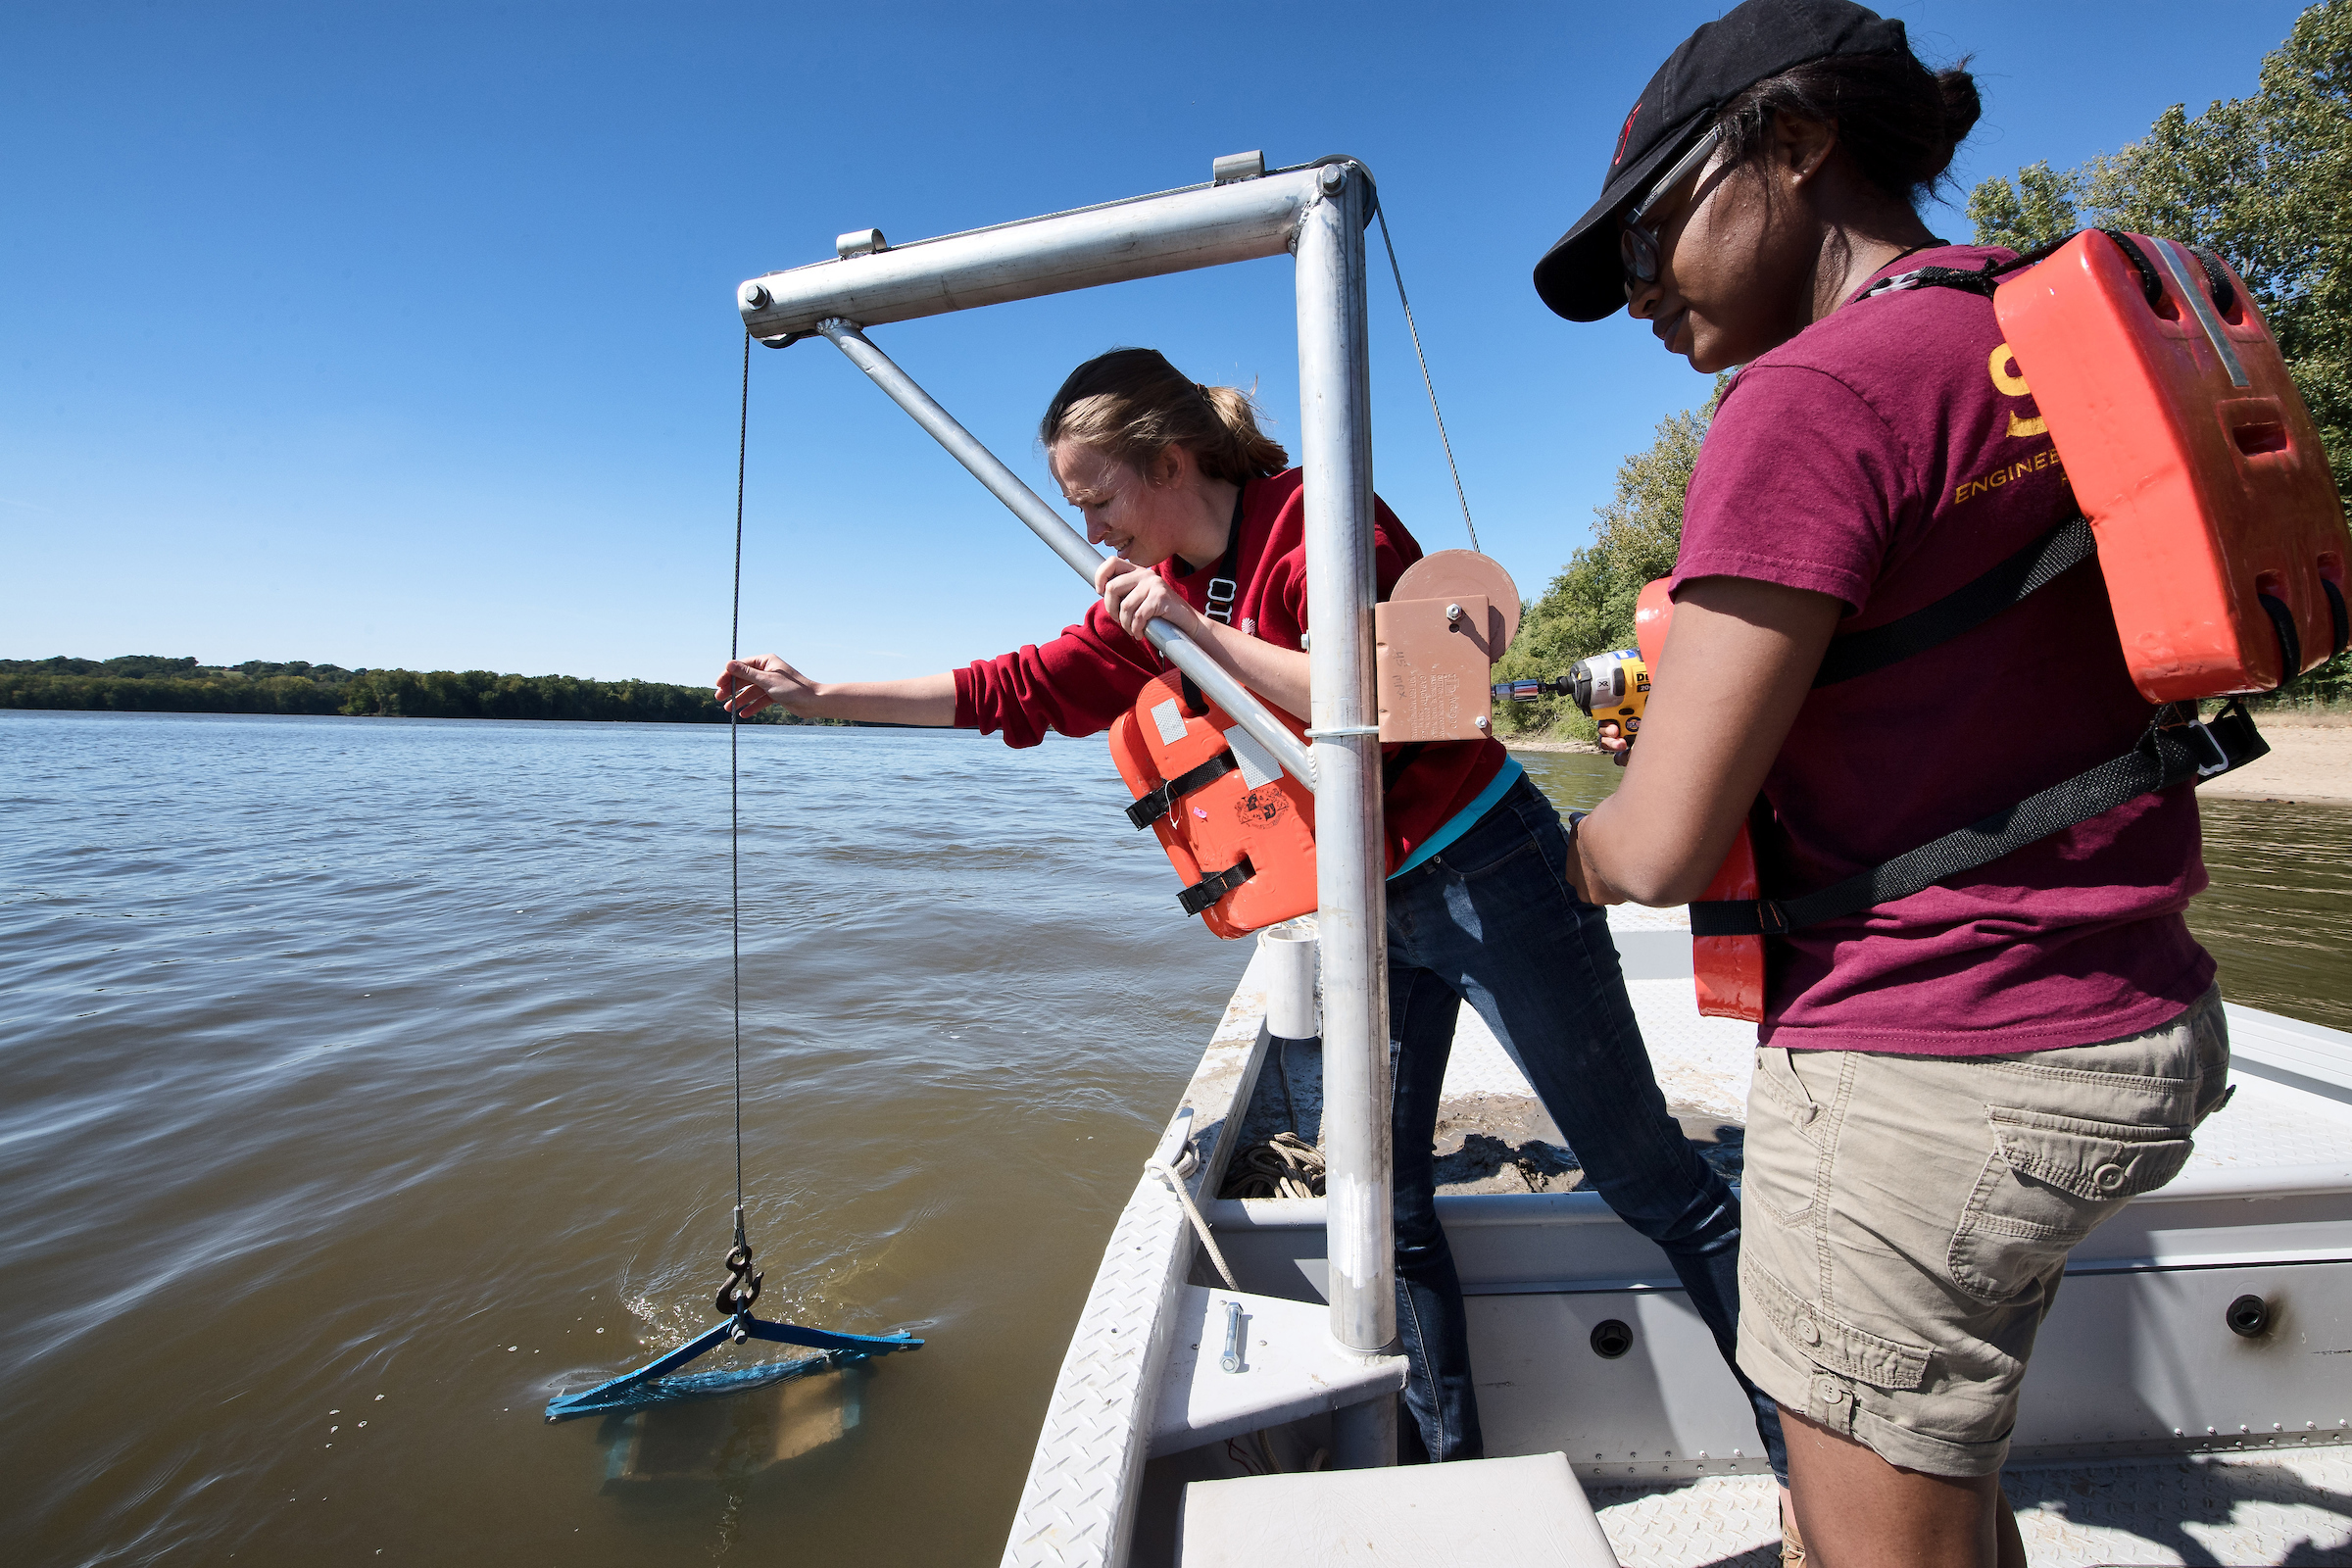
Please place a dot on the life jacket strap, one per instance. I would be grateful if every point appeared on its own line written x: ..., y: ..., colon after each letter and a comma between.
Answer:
x: 2039, y: 564
x: 2169, y: 754
x: 1151, y: 807
x: 1984, y: 279
x: 1209, y: 889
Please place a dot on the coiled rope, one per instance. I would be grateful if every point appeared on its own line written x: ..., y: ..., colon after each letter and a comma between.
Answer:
x: 1285, y: 1165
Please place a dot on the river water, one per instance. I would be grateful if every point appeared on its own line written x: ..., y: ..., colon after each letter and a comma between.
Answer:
x: 364, y: 1082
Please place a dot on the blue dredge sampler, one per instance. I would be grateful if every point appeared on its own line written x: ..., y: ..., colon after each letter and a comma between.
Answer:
x: 654, y: 1383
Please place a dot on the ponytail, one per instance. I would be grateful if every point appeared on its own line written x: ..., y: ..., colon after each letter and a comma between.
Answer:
x: 1132, y: 404
x: 1898, y: 121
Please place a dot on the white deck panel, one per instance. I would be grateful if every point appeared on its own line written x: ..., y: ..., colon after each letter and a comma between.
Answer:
x: 1524, y: 1512
x: 2274, y: 1508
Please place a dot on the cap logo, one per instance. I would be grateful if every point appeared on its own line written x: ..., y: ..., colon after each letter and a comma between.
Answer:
x: 1624, y: 136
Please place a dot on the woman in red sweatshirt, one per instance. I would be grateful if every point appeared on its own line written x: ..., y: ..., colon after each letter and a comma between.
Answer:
x: 1187, y: 490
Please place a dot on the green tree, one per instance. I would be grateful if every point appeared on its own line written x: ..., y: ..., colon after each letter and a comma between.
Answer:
x: 150, y: 683
x: 2038, y: 210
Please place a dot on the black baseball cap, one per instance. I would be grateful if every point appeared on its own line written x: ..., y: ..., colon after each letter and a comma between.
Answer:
x: 1581, y: 277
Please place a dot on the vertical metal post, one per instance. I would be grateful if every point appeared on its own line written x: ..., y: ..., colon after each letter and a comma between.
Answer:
x: 1351, y: 855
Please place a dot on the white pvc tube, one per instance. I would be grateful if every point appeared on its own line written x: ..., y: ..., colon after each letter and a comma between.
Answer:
x: 1289, y: 950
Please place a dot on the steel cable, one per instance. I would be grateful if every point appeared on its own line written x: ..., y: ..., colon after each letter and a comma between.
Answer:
x: 743, y: 432
x: 1398, y: 273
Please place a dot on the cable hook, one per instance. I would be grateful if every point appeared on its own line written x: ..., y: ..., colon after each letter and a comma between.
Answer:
x: 742, y: 1289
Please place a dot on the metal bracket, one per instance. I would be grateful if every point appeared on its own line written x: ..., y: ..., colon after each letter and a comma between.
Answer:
x: 1236, y: 166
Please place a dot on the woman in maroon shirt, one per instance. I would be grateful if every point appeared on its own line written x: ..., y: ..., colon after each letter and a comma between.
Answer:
x: 1954, y: 1087
x: 1179, y: 480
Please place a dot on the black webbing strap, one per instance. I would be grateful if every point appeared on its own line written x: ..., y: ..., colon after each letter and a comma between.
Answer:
x: 2225, y: 297
x: 1209, y: 889
x: 1153, y: 805
x: 1984, y: 279
x: 2035, y: 566
x: 1221, y: 605
x: 2291, y: 639
x: 2149, y: 285
x: 2164, y: 758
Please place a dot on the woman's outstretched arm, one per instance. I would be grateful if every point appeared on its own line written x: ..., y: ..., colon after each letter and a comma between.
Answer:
x: 747, y: 685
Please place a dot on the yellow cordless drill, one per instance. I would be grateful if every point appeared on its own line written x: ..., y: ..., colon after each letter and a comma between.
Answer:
x: 1611, y: 688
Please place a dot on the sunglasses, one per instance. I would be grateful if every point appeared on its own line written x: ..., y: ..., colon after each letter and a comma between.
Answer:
x: 1637, y: 245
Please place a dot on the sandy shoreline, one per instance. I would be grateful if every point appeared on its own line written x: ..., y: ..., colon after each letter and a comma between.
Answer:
x: 2311, y: 760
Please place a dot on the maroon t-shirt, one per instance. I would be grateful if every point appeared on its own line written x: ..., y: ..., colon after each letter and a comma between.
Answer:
x: 1089, y: 675
x: 1885, y: 456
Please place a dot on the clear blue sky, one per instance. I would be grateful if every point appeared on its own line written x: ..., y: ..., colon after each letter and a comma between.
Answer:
x: 403, y: 334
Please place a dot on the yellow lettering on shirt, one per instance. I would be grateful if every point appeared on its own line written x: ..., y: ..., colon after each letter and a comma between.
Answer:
x: 2012, y: 385
x: 2004, y: 381
x: 2024, y: 467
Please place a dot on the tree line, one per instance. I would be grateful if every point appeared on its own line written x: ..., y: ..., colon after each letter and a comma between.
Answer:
x: 2265, y: 180
x: 151, y: 683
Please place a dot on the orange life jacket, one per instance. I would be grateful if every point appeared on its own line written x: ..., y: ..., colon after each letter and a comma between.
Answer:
x: 1238, y: 830
x: 2211, y: 511
x: 2222, y: 535
x: 1728, y: 972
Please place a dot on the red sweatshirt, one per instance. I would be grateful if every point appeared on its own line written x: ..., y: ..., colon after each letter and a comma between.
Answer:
x: 1086, y: 678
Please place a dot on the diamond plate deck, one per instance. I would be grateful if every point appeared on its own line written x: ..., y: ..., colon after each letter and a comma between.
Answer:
x: 2281, y: 1507
x: 1077, y: 1507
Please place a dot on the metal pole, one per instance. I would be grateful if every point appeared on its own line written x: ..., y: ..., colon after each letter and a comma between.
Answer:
x: 1351, y: 855
x: 1066, y: 541
x: 1149, y: 236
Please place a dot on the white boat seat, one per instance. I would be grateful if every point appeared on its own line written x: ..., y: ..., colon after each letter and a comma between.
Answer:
x: 1290, y: 1369
x: 1494, y: 1513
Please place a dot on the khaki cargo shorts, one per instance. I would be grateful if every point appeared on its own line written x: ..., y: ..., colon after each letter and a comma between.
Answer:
x: 1904, y: 1220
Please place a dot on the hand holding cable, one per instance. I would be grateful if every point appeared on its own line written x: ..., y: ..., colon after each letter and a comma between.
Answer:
x: 746, y: 686
x: 754, y: 685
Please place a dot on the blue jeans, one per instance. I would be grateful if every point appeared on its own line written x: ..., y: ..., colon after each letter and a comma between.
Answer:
x: 1492, y: 920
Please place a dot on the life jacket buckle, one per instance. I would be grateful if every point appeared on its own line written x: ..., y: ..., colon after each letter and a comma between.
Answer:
x: 2212, y: 746
x: 1215, y: 886
x: 1221, y: 591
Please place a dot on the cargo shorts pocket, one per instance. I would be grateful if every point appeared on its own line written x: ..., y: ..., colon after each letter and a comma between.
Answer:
x: 1782, y: 1160
x: 1833, y: 1345
x: 2050, y: 1181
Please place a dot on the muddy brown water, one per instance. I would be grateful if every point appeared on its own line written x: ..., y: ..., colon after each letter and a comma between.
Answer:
x: 364, y: 1082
